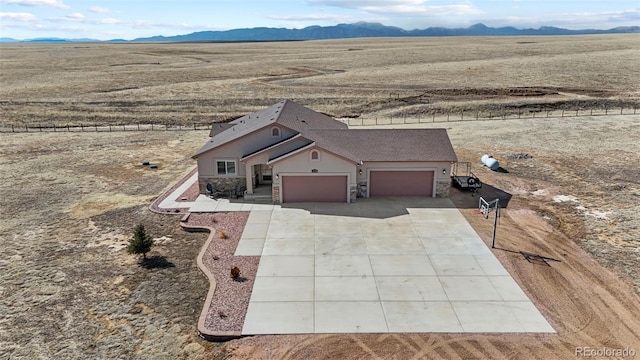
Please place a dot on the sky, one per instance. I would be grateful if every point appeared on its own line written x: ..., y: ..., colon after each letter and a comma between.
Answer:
x: 129, y: 19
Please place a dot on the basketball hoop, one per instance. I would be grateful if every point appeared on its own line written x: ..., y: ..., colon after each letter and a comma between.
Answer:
x: 485, y: 208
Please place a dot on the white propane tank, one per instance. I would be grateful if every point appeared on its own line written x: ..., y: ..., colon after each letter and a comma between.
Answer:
x: 490, y: 162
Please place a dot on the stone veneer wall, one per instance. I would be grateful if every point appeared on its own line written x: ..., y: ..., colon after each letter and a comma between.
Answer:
x: 443, y: 188
x: 353, y: 192
x: 275, y: 193
x: 221, y: 184
x: 362, y: 188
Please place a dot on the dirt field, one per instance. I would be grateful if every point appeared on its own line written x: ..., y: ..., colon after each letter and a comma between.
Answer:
x: 69, y: 290
x: 186, y: 83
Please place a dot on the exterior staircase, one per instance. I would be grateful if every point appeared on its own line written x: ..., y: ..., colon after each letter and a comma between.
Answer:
x: 261, y: 194
x: 261, y: 198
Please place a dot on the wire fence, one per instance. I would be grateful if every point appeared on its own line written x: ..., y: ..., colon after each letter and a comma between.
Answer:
x: 484, y: 116
x: 101, y: 128
x: 391, y: 120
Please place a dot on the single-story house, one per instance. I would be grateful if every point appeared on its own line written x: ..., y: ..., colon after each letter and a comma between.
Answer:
x: 305, y: 156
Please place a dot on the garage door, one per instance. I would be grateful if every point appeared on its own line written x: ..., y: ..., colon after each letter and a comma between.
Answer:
x: 314, y: 188
x: 401, y: 183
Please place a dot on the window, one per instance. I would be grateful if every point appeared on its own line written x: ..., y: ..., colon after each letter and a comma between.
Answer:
x: 275, y: 132
x: 315, y: 155
x: 226, y: 167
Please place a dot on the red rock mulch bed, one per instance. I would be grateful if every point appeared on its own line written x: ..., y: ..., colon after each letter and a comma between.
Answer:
x: 230, y: 299
x: 191, y: 194
x: 154, y: 205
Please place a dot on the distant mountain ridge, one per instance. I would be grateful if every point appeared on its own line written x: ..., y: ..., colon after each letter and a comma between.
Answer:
x: 364, y: 29
x: 344, y: 31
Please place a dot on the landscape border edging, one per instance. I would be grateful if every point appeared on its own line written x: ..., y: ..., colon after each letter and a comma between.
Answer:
x: 155, y: 204
x: 205, y: 333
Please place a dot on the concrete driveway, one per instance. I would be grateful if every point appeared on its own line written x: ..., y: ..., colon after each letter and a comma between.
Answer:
x: 377, y: 266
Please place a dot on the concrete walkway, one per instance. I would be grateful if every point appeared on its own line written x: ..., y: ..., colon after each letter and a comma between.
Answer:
x: 205, y: 204
x: 377, y: 266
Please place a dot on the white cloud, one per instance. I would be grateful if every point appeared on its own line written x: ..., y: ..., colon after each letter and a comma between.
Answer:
x: 37, y: 3
x: 580, y: 20
x: 414, y: 8
x: 99, y: 10
x: 626, y: 15
x: 107, y: 21
x: 313, y: 17
x: 359, y: 4
x: 75, y: 16
x: 17, y: 16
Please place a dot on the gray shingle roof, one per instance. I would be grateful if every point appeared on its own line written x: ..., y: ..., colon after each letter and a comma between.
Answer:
x: 286, y: 113
x: 327, y: 133
x: 387, y: 144
x: 217, y: 128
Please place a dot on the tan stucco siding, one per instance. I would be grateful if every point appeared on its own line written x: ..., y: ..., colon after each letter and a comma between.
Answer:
x: 235, y: 150
x: 327, y: 164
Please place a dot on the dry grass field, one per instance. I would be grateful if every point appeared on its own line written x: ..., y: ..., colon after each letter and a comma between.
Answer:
x: 186, y: 83
x: 71, y: 200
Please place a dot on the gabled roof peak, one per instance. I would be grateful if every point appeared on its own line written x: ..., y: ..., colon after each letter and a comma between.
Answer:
x: 287, y: 113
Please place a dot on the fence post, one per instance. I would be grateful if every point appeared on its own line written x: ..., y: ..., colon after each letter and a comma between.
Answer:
x: 434, y: 117
x: 151, y: 126
x: 620, y: 110
x: 462, y: 116
x: 562, y: 113
x: 12, y: 130
x: 606, y: 111
x: 82, y: 127
x: 109, y: 127
x: 54, y: 127
x: 26, y: 127
x: 447, y: 117
x: 576, y: 113
x: 96, y: 126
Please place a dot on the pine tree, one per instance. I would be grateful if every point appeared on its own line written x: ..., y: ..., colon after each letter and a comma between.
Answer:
x: 141, y: 242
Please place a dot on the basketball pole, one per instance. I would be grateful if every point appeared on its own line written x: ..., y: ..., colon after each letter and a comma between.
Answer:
x: 495, y: 224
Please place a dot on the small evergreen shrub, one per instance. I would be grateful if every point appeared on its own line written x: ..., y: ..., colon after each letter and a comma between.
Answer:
x: 140, y: 243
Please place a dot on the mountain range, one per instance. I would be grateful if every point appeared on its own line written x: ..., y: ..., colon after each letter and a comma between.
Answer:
x: 343, y: 31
